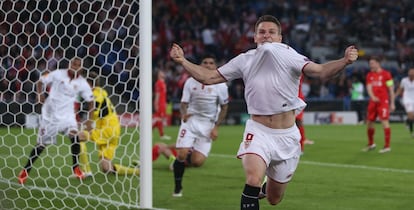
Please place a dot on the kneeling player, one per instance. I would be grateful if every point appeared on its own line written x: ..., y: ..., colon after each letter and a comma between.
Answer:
x: 106, y: 133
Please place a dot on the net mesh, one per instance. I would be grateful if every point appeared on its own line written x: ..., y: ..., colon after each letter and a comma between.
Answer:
x: 41, y: 36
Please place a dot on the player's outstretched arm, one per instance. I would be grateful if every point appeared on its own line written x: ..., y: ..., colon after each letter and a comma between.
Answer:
x: 199, y: 73
x: 332, y: 68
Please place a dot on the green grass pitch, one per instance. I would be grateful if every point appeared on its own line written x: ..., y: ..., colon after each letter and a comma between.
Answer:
x: 333, y: 174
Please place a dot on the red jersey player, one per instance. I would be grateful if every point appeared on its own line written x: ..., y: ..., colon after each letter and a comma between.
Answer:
x: 380, y: 88
x: 299, y: 121
x: 160, y: 105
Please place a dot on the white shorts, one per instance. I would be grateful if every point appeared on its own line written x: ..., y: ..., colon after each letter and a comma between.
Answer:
x: 195, y: 133
x: 408, y: 105
x: 49, y: 129
x: 279, y: 149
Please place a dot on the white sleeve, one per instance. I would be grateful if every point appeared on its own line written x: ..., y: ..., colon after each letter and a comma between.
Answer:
x: 48, y: 78
x: 223, y: 94
x: 232, y: 70
x: 86, y: 91
x: 186, y: 91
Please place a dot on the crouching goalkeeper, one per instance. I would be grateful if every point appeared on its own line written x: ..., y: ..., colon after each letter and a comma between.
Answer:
x: 105, y: 134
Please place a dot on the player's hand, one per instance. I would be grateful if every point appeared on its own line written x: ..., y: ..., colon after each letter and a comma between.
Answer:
x: 392, y: 107
x: 83, y: 135
x: 185, y: 117
x: 214, y: 133
x: 177, y: 53
x: 88, y: 125
x: 351, y: 54
x: 375, y: 99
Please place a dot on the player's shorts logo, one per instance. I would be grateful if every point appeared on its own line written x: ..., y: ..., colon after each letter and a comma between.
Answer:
x: 248, y: 139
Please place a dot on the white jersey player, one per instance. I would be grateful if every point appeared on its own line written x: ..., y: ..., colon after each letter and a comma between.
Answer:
x: 58, y: 112
x: 271, y: 74
x: 406, y: 88
x: 203, y: 108
x: 58, y: 109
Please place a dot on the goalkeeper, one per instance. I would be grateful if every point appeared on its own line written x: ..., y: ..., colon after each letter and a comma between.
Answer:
x: 105, y: 134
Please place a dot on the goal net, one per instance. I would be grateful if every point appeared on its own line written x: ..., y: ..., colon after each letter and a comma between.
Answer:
x: 42, y: 36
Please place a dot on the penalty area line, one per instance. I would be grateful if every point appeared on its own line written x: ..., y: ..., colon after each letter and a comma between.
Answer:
x: 337, y: 165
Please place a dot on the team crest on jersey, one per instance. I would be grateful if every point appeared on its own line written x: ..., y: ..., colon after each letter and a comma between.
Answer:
x: 248, y: 140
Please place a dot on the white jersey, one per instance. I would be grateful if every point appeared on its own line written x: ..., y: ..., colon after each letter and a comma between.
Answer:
x: 203, y: 100
x: 274, y: 89
x: 408, y: 86
x: 63, y: 93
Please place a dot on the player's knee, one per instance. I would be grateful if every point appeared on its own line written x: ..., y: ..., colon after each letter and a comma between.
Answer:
x: 253, y: 180
x: 106, y: 166
x: 106, y: 169
x: 274, y: 200
x: 197, y: 163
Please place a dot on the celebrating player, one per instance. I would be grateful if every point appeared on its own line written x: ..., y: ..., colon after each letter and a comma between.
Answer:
x: 58, y: 113
x: 106, y: 132
x: 199, y: 126
x: 406, y: 88
x: 271, y: 75
x: 380, y: 88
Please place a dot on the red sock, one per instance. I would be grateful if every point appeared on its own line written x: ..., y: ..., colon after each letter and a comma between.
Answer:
x: 371, y: 132
x: 159, y: 126
x: 387, y: 135
x: 155, y: 152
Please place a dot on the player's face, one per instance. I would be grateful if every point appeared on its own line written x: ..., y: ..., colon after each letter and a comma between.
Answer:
x: 411, y: 74
x: 374, y: 65
x: 75, y: 67
x: 267, y: 32
x: 209, y: 63
x: 161, y: 75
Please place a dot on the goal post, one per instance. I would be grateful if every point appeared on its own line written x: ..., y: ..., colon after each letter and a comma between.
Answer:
x: 145, y: 62
x: 114, y: 39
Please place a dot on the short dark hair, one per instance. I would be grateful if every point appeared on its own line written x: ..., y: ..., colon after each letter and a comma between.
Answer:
x: 208, y: 56
x: 377, y: 58
x: 268, y: 18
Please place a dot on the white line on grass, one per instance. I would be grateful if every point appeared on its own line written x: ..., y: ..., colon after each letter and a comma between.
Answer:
x: 73, y: 195
x: 335, y: 165
x: 116, y: 203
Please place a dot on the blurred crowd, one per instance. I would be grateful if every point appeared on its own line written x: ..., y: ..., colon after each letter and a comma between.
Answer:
x: 320, y: 29
x: 39, y: 36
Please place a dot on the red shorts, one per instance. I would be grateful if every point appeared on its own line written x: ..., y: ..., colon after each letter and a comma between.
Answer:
x: 161, y: 112
x: 379, y: 109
